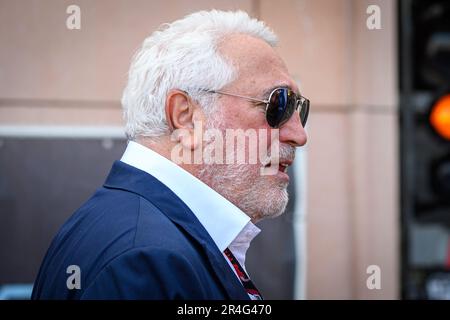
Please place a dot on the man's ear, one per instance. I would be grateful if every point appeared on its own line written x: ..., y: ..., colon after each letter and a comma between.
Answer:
x: 182, y: 116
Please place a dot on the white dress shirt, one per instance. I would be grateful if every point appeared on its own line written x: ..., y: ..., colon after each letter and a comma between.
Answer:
x: 227, y: 225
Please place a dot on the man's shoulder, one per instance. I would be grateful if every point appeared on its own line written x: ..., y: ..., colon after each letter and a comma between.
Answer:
x: 124, y: 219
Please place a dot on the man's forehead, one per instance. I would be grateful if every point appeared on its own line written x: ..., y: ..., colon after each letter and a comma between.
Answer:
x: 249, y: 52
x: 257, y: 62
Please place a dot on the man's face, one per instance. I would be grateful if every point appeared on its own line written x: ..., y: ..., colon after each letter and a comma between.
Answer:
x: 259, y: 69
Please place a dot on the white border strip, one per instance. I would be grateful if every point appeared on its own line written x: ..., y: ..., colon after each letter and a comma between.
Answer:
x: 74, y: 132
x: 300, y: 224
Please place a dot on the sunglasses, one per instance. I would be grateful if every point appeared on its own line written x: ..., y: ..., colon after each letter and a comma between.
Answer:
x: 280, y: 106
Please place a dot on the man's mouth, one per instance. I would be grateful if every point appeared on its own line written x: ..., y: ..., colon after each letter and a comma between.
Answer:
x: 282, y: 166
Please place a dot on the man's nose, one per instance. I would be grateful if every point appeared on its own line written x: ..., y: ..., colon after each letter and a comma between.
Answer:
x: 292, y: 132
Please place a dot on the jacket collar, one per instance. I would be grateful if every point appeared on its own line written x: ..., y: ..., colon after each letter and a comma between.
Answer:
x: 126, y: 177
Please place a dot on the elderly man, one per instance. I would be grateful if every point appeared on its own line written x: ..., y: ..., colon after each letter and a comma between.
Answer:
x: 161, y: 228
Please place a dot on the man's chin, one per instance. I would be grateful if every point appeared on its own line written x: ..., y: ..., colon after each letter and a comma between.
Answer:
x: 271, y: 207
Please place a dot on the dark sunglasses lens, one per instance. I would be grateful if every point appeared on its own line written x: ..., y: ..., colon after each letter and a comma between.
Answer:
x: 304, y: 111
x: 281, y: 106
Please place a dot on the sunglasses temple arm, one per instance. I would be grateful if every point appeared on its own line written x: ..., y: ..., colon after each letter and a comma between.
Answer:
x: 239, y: 96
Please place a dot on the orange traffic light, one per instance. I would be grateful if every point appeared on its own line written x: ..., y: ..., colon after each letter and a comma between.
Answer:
x: 440, y: 117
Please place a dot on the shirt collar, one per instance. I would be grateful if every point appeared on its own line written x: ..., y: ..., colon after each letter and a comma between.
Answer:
x: 224, y: 222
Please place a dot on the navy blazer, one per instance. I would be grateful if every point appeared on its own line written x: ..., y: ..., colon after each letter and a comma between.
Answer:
x: 135, y: 239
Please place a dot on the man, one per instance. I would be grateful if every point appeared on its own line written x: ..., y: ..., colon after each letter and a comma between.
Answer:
x: 165, y: 228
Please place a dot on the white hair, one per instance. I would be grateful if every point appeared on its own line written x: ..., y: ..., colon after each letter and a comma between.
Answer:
x: 182, y: 55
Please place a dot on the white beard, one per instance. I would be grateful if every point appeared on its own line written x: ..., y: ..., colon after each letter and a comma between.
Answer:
x: 256, y: 195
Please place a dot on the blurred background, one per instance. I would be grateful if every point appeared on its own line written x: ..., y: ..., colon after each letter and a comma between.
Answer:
x: 371, y: 189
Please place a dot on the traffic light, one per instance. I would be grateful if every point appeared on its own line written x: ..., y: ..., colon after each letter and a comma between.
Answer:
x: 440, y: 117
x: 440, y: 171
x: 424, y: 59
